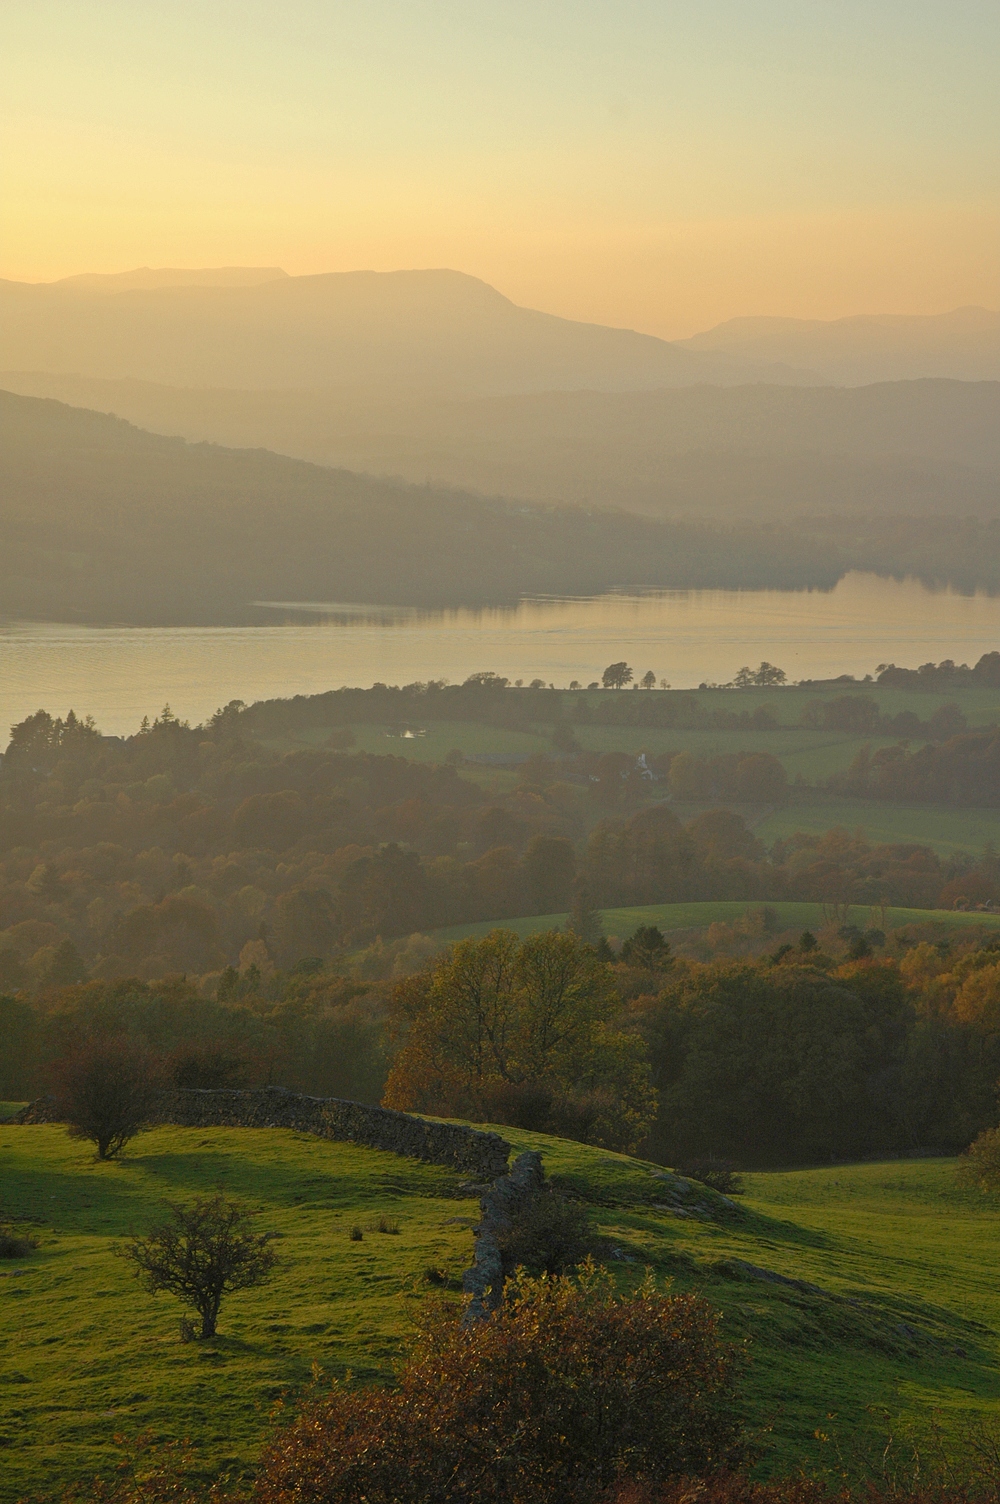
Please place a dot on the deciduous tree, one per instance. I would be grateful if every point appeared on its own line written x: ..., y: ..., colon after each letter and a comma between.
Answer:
x: 204, y: 1252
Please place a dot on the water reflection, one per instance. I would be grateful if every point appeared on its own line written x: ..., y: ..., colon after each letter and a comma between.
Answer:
x: 119, y: 674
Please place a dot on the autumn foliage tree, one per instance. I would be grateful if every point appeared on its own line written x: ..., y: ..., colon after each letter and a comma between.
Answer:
x: 524, y: 1032
x: 568, y: 1388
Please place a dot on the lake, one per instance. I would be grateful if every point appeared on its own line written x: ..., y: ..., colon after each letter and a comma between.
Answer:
x: 120, y: 674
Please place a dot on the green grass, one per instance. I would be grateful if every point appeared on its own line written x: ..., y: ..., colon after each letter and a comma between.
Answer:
x: 906, y: 1313
x: 813, y: 754
x: 944, y: 828
x: 682, y: 916
x: 441, y: 738
x: 88, y: 1354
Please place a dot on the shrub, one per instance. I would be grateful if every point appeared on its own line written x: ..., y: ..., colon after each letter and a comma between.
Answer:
x: 550, y: 1235
x: 206, y: 1251
x: 980, y: 1164
x: 105, y: 1092
x: 720, y: 1175
x: 14, y: 1244
x: 566, y: 1389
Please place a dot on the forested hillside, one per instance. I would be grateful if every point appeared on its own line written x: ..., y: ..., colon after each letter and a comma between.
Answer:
x: 725, y: 453
x: 102, y: 522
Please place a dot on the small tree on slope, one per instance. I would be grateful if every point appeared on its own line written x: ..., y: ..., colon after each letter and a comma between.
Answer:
x: 207, y: 1250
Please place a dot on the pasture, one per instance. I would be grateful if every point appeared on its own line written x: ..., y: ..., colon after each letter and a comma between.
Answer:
x: 896, y: 1304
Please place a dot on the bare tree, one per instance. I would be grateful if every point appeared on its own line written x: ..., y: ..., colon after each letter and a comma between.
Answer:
x: 105, y: 1092
x: 206, y: 1250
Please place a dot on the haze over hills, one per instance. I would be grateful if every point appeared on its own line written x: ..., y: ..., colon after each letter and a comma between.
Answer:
x: 963, y: 344
x: 102, y: 522
x: 409, y: 332
x: 748, y: 452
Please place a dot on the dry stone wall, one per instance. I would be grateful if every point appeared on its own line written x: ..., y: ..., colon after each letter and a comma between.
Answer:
x: 500, y: 1205
x: 475, y: 1153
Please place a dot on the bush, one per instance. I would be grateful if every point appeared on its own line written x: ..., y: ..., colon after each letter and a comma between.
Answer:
x: 720, y: 1175
x: 568, y: 1388
x: 980, y: 1164
x: 105, y: 1092
x: 549, y: 1236
x: 14, y: 1244
x: 206, y: 1251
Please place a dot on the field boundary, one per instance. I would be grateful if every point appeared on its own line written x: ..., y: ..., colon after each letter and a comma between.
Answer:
x: 471, y: 1150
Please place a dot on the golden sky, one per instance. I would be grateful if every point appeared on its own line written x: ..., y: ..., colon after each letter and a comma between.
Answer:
x: 663, y: 164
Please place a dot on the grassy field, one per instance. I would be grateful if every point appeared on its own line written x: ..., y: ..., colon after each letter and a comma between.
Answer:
x: 945, y: 828
x: 682, y: 916
x: 905, y: 1313
x: 812, y: 754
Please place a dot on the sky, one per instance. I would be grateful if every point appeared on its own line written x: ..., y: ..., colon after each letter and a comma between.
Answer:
x: 649, y: 163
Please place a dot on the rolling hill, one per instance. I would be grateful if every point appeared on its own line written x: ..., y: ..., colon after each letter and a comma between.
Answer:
x: 859, y: 1287
x: 101, y: 521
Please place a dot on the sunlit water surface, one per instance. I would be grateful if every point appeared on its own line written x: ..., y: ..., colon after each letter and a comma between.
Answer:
x: 120, y: 674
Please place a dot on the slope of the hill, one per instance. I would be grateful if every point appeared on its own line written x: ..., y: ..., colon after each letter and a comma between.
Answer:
x: 886, y: 1296
x: 720, y: 452
x: 963, y: 344
x: 409, y: 331
x: 102, y: 521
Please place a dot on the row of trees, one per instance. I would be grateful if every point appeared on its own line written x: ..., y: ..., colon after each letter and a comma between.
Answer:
x: 963, y: 770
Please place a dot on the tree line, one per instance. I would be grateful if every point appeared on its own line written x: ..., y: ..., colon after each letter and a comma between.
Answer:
x: 857, y: 1044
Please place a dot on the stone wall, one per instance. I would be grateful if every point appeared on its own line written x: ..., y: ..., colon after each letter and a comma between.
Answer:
x: 483, y: 1155
x: 500, y: 1206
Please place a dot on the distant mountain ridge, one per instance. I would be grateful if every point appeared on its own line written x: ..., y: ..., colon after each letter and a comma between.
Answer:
x: 148, y: 277
x: 963, y: 345
x: 409, y: 332
x: 100, y: 521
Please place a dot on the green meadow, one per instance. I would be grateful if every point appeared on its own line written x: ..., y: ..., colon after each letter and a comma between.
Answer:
x: 684, y: 916
x: 947, y: 829
x: 897, y: 1305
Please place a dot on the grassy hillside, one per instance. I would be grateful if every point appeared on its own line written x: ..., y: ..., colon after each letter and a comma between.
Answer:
x: 683, y: 916
x: 944, y: 828
x: 904, y: 1313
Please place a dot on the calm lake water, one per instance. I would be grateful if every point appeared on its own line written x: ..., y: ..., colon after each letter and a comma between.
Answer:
x: 120, y: 674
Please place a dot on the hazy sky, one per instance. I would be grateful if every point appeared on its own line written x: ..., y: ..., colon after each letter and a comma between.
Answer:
x: 662, y: 165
